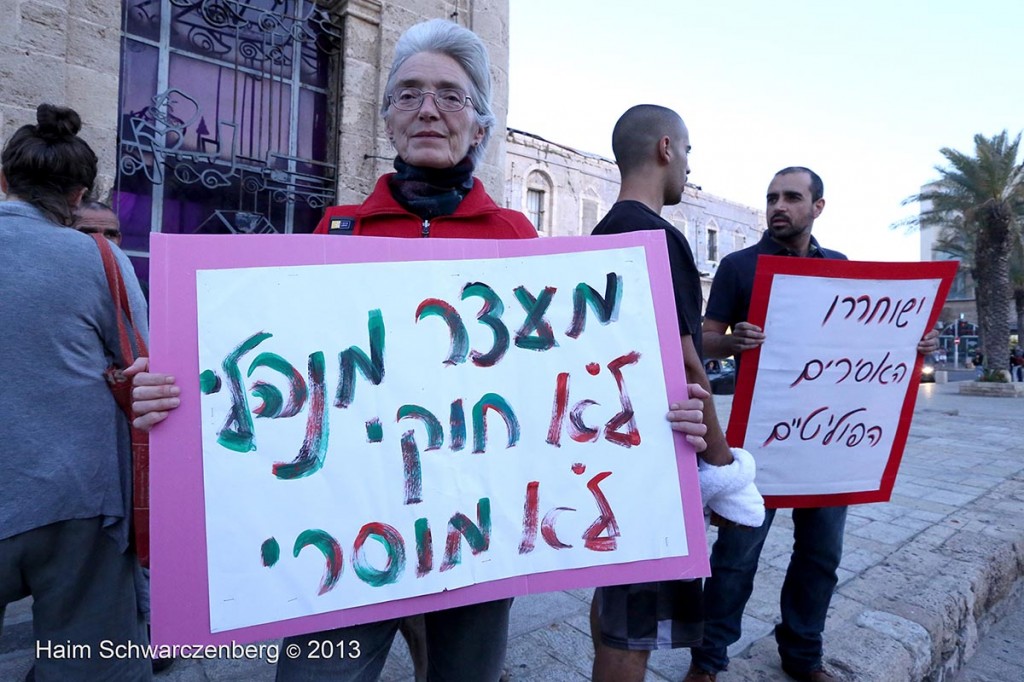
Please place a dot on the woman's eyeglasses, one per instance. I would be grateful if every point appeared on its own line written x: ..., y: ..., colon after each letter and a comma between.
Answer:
x: 445, y: 99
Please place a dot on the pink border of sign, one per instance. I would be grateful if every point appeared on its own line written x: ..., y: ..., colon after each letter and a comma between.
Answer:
x: 179, y: 571
x: 767, y: 268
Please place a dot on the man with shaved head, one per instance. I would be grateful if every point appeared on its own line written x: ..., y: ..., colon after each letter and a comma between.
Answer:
x: 651, y: 146
x: 634, y: 142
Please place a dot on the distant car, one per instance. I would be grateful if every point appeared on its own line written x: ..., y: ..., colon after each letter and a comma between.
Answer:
x: 721, y: 375
x: 928, y: 371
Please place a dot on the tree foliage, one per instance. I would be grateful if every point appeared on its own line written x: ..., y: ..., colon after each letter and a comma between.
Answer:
x: 977, y: 204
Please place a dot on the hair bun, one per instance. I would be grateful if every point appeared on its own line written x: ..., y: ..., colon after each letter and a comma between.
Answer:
x: 57, y: 123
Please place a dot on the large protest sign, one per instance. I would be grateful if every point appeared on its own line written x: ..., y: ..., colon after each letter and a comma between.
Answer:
x: 825, y: 404
x: 374, y: 427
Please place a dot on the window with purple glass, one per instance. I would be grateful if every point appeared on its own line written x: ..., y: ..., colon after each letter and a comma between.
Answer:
x: 223, y: 122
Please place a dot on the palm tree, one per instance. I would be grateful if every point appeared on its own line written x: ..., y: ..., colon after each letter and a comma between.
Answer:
x: 978, y: 204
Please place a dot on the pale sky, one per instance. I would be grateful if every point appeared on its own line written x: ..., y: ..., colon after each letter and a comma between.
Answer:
x: 865, y: 93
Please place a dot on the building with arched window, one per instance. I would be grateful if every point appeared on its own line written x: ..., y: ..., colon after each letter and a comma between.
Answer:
x: 227, y: 115
x: 537, y: 201
x: 573, y: 190
x: 249, y: 116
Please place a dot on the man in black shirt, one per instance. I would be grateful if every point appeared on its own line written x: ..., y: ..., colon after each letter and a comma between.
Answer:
x: 795, y: 199
x: 651, y: 145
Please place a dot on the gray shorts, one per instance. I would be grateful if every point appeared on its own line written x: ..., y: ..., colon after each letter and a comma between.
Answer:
x: 84, y: 594
x: 649, y: 616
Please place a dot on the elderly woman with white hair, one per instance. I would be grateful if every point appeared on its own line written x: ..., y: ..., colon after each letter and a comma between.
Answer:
x: 437, y: 110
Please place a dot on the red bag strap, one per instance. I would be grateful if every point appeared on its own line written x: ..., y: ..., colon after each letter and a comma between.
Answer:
x: 122, y: 309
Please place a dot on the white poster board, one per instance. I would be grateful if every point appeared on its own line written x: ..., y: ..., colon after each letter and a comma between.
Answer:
x: 825, y: 403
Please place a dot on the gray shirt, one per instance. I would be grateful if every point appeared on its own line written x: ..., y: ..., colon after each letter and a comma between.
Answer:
x: 65, y: 451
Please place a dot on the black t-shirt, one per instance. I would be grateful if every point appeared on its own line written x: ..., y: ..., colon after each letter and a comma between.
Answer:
x: 632, y: 216
x: 729, y: 301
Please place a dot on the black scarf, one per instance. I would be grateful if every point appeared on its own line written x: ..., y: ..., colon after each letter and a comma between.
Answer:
x: 431, y: 192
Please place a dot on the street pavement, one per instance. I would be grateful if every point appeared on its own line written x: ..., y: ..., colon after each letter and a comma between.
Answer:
x: 927, y: 579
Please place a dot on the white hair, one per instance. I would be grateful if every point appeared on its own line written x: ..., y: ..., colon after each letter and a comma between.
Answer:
x: 465, y: 47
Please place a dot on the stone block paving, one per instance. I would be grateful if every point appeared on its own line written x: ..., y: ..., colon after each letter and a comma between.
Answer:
x: 923, y: 578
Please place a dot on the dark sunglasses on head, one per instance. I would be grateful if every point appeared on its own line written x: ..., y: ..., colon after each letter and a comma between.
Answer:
x: 109, y: 233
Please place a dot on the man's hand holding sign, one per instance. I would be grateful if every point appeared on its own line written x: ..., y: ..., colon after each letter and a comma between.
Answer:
x: 825, y: 402
x: 829, y: 354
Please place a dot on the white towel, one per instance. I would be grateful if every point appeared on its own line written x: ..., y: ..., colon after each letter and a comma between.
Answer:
x: 730, y: 491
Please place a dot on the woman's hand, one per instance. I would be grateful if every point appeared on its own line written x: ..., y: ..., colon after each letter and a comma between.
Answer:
x: 687, y: 417
x: 153, y: 395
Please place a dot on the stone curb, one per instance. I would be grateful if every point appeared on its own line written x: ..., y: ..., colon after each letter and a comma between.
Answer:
x: 991, y: 389
x: 916, y: 616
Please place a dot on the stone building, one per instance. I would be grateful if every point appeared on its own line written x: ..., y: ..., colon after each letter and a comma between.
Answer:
x: 252, y: 115
x: 960, y: 302
x: 959, y: 317
x: 565, y: 191
x: 958, y: 320
x: 227, y: 115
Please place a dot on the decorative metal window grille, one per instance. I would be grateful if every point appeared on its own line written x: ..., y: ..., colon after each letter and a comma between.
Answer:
x: 224, y: 117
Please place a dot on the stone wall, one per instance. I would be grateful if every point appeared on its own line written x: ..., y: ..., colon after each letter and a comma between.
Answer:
x: 67, y: 52
x: 371, y: 30
x: 571, y: 176
x: 64, y: 52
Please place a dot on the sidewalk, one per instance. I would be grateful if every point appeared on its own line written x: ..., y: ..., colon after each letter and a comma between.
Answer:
x: 920, y: 574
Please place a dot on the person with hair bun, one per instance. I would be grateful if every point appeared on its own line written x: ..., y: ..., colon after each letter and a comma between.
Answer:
x: 65, y: 494
x: 49, y: 166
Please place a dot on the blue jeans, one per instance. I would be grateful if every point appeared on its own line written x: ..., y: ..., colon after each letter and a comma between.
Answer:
x: 464, y: 644
x: 806, y: 592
